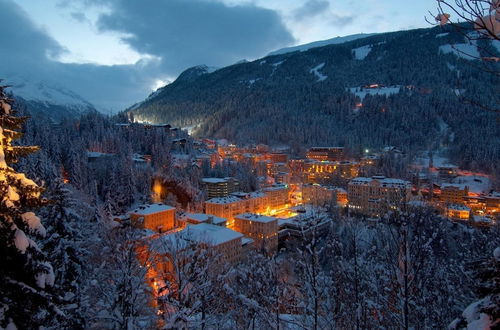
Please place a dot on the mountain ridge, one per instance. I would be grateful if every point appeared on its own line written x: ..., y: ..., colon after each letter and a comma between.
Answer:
x: 314, y: 98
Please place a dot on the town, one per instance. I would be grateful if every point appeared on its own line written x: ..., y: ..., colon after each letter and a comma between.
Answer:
x: 297, y: 197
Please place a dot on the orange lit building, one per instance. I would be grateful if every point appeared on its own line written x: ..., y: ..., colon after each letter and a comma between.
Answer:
x: 326, y: 153
x: 492, y: 202
x: 277, y: 157
x: 263, y: 230
x: 323, y: 171
x: 320, y: 195
x: 458, y: 212
x: 156, y: 217
x: 453, y: 193
x: 277, y: 196
x: 220, y: 187
x: 376, y: 195
x: 236, y: 203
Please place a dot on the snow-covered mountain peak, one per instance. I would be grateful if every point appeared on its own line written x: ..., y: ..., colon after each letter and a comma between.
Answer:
x: 47, y: 93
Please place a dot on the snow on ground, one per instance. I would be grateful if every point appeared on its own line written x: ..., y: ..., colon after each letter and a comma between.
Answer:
x: 321, y: 43
x: 465, y: 51
x: 319, y: 75
x: 477, y: 183
x: 362, y: 52
x: 362, y: 92
x: 437, y: 161
x: 496, y: 44
x: 46, y: 92
x: 440, y: 35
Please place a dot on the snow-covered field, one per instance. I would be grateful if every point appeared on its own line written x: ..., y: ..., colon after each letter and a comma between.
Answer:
x: 465, y: 51
x: 362, y: 52
x: 319, y: 75
x: 362, y: 92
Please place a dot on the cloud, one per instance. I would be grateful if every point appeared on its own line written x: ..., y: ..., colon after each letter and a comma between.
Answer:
x: 29, y: 52
x: 172, y: 36
x: 190, y: 32
x: 340, y: 21
x: 310, y: 9
x: 79, y: 17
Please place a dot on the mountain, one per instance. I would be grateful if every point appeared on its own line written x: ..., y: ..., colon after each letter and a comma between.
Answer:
x: 47, y: 97
x: 321, y: 43
x: 408, y: 89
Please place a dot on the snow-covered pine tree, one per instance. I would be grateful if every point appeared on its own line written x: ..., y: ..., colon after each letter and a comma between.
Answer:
x: 26, y: 276
x: 65, y: 246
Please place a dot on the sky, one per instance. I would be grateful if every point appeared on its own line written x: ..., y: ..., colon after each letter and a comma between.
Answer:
x: 115, y: 52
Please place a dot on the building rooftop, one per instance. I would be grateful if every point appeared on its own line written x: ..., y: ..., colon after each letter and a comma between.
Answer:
x: 383, y: 180
x: 216, y: 180
x: 151, y: 208
x: 255, y: 217
x: 202, y: 217
x: 454, y: 185
x: 202, y: 233
x: 223, y: 200
x: 456, y: 207
x: 276, y: 187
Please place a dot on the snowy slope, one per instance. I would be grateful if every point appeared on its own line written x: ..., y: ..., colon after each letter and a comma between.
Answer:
x: 321, y: 43
x: 48, y: 97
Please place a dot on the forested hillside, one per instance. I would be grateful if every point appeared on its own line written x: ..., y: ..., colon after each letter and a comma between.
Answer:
x: 314, y: 98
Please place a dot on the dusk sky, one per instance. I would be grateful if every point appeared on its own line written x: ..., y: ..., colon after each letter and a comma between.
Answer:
x: 114, y: 53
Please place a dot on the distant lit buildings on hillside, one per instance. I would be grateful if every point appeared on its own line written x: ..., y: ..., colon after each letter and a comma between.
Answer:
x: 331, y: 154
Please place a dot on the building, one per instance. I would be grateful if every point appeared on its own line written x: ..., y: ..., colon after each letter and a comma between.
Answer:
x: 453, y: 193
x: 220, y: 187
x: 263, y: 230
x: 277, y: 157
x: 197, y: 218
x: 492, y: 202
x: 320, y: 195
x: 277, y: 196
x: 447, y: 172
x: 282, y: 177
x: 156, y: 217
x: 225, y: 245
x: 376, y: 195
x: 322, y: 172
x: 236, y: 203
x: 458, y: 212
x: 326, y: 154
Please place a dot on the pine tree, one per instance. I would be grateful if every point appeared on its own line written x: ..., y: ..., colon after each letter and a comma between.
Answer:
x: 26, y: 276
x: 64, y: 244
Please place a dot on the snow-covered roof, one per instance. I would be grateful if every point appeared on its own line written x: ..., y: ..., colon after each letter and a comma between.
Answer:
x: 245, y: 240
x: 390, y: 182
x: 223, y: 200
x: 255, y: 217
x: 202, y: 233
x: 151, y: 208
x: 453, y: 185
x: 215, y: 180
x: 202, y: 217
x: 276, y: 187
x: 456, y: 207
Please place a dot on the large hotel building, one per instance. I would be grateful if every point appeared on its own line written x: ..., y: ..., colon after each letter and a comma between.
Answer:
x: 326, y: 153
x: 376, y: 195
